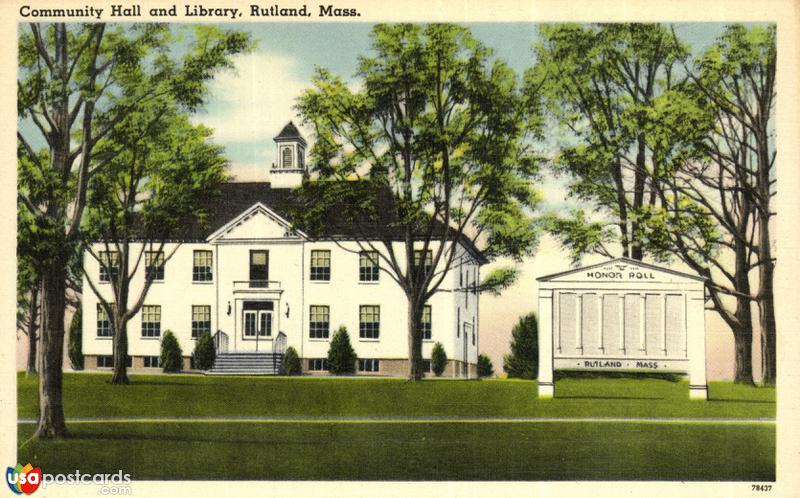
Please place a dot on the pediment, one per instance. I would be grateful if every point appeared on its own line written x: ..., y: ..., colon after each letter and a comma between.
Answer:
x: 622, y: 270
x: 256, y: 223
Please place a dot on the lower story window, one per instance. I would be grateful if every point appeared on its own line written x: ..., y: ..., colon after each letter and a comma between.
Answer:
x: 369, y: 326
x: 151, y: 361
x: 151, y: 321
x: 318, y: 364
x: 201, y: 320
x: 426, y: 366
x: 368, y: 365
x: 107, y: 361
x: 319, y: 322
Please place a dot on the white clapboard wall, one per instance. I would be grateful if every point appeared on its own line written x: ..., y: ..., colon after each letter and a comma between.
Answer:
x: 622, y: 315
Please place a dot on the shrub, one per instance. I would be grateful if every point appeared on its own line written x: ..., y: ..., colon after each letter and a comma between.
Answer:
x: 75, y: 343
x: 341, y: 355
x: 438, y: 359
x: 291, y: 362
x: 204, y: 352
x: 171, y: 353
x: 523, y: 361
x: 485, y: 367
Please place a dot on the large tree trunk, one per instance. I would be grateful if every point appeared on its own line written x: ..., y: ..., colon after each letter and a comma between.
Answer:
x: 766, y: 303
x: 120, y: 375
x: 414, y: 340
x: 33, y: 331
x: 51, y: 408
x: 743, y: 330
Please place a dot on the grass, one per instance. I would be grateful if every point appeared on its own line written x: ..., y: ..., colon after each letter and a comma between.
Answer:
x: 413, y: 451
x: 195, y: 396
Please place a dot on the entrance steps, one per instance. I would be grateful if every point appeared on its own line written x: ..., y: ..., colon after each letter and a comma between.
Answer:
x: 247, y: 364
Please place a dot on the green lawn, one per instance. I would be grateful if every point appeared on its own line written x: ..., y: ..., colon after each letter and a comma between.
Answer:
x: 90, y: 395
x: 421, y: 451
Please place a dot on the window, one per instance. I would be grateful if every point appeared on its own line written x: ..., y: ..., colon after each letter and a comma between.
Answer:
x: 103, y: 322
x: 368, y: 365
x: 201, y: 320
x: 259, y: 268
x: 425, y: 323
x: 426, y: 366
x: 151, y: 321
x: 473, y: 337
x: 301, y: 157
x: 319, y: 323
x: 201, y: 268
x: 109, y: 261
x: 369, y: 326
x: 107, y: 361
x: 458, y: 322
x: 368, y: 269
x: 320, y: 265
x: 286, y: 158
x: 428, y: 263
x: 154, y: 264
x: 318, y: 364
x: 151, y: 361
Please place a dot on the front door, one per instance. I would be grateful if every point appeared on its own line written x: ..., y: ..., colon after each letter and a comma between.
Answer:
x: 257, y: 322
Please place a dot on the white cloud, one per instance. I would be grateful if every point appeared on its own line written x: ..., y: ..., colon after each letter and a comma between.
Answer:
x: 251, y: 104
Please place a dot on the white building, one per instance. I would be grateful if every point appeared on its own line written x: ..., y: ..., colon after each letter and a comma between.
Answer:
x: 258, y: 285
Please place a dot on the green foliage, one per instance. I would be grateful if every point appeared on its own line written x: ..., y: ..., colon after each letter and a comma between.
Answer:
x: 438, y: 359
x: 485, y: 367
x: 204, y: 352
x: 171, y: 353
x: 341, y: 355
x: 523, y: 361
x: 75, y: 346
x: 291, y: 362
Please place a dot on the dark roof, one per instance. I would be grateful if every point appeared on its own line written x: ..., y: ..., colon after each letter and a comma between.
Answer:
x: 289, y: 132
x: 237, y: 197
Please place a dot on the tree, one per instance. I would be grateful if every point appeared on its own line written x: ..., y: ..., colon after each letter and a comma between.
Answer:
x: 485, y: 367
x: 438, y: 359
x: 28, y: 304
x: 436, y: 132
x: 341, y: 355
x: 162, y: 173
x: 598, y: 83
x: 291, y: 362
x: 204, y: 352
x: 523, y: 361
x: 171, y: 353
x: 75, y: 340
x: 76, y: 84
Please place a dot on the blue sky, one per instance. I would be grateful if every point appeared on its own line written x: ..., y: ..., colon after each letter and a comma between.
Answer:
x: 249, y: 106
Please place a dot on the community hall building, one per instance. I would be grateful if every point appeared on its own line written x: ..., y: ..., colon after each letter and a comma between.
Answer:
x: 258, y: 284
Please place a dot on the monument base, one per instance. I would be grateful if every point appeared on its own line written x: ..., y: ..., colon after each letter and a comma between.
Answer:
x: 546, y: 389
x: 698, y: 392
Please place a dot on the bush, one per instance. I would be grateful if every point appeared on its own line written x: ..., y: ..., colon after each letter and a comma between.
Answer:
x: 75, y: 343
x: 341, y: 355
x: 523, y: 362
x: 204, y: 352
x: 291, y: 362
x: 485, y: 367
x: 171, y: 353
x: 438, y: 359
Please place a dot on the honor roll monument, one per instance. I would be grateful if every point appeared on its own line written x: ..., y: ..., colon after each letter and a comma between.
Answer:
x: 622, y: 315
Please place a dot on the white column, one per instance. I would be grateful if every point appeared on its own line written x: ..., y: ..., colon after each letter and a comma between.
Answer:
x: 642, y: 322
x: 547, y: 325
x: 696, y: 339
x: 663, y: 299
x: 621, y: 322
x: 599, y: 299
x: 579, y: 322
x: 556, y: 311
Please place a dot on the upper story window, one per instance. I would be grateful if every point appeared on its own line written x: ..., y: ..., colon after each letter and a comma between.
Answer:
x: 319, y: 322
x: 151, y: 320
x: 201, y: 320
x: 259, y: 268
x: 427, y: 262
x: 154, y: 265
x: 103, y: 322
x: 109, y: 262
x: 368, y: 269
x: 286, y: 158
x: 202, y: 266
x: 425, y: 323
x: 320, y: 265
x: 369, y: 326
